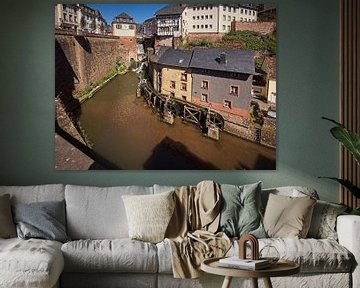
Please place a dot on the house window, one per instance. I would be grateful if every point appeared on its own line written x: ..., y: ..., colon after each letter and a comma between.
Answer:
x: 193, y: 17
x: 204, y: 97
x: 206, y: 26
x: 172, y: 94
x: 253, y: 13
x: 242, y: 11
x: 183, y: 87
x: 183, y: 97
x: 202, y: 16
x: 205, y: 84
x: 224, y: 27
x: 202, y: 26
x: 233, y: 18
x: 229, y: 18
x: 183, y: 77
x: 227, y: 104
x: 224, y: 17
x: 198, y: 17
x: 246, y: 12
x: 228, y: 27
x: 206, y: 16
x: 172, y: 84
x: 234, y: 90
x: 210, y: 16
x: 229, y: 9
x: 224, y: 8
x: 210, y: 26
x: 197, y: 26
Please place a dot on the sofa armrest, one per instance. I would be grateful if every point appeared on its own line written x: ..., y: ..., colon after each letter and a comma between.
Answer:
x: 348, y: 230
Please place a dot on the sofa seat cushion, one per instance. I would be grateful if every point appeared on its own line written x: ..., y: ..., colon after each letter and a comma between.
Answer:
x: 313, y: 255
x: 110, y: 255
x: 30, y: 263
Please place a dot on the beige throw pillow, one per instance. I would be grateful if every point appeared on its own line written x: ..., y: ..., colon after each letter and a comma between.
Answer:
x: 7, y: 226
x: 148, y: 215
x: 288, y: 217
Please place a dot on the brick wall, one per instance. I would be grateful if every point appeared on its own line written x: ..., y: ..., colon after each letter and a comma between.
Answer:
x: 81, y: 60
x: 128, y: 43
x: 262, y: 27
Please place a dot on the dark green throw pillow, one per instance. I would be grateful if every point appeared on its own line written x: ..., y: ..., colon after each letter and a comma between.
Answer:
x: 240, y: 210
x: 43, y: 220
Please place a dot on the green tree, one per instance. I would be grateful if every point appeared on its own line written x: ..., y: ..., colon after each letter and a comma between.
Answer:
x: 102, y: 27
x: 82, y: 22
x: 93, y: 25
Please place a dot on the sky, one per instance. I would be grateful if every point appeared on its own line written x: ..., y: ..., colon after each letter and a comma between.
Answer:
x: 139, y: 12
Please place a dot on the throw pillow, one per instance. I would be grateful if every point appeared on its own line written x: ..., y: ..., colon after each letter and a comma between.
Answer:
x: 288, y: 217
x: 7, y: 227
x: 44, y: 220
x: 323, y: 222
x: 149, y: 215
x: 240, y: 210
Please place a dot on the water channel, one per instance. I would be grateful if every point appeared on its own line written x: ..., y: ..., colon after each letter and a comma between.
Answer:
x: 125, y: 131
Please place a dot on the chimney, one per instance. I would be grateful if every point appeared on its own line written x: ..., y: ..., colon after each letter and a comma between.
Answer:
x: 222, y: 58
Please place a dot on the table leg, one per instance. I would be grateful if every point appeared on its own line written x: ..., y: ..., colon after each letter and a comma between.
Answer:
x: 254, y: 282
x: 227, y: 282
x: 267, y: 283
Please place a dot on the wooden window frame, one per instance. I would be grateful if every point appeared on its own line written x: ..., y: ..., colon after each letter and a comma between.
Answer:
x: 202, y: 87
x: 238, y: 90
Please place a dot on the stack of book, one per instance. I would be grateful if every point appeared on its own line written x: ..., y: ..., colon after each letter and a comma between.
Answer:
x: 248, y: 264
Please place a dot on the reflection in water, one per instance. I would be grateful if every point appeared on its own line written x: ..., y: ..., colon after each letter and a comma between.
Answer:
x: 125, y: 131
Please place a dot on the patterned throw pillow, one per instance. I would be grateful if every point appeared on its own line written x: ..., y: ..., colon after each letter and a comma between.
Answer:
x: 288, y: 217
x: 240, y: 213
x: 7, y: 226
x: 149, y: 215
x: 323, y: 222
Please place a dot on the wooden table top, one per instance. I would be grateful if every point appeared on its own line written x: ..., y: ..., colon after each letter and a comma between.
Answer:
x: 281, y: 268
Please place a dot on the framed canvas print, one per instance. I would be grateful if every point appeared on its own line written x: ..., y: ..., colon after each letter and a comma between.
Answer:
x: 165, y: 86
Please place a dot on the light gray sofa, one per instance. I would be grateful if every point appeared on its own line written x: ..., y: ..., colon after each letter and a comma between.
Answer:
x: 101, y: 254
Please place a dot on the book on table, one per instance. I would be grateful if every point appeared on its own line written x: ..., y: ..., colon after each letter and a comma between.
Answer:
x: 249, y: 264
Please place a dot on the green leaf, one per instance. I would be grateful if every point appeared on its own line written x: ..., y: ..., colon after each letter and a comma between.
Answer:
x: 347, y: 184
x: 348, y: 138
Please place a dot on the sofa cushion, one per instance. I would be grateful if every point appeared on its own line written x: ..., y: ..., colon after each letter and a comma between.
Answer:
x: 30, y: 263
x: 323, y: 222
x: 291, y: 191
x: 35, y: 193
x: 43, y: 220
x: 240, y: 210
x: 116, y: 255
x: 287, y: 216
x: 98, y: 213
x: 149, y: 215
x: 313, y: 255
x: 7, y: 226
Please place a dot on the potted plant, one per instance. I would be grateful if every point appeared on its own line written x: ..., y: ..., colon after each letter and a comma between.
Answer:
x: 351, y: 141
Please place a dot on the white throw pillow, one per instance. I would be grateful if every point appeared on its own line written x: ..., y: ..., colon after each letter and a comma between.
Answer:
x: 149, y: 215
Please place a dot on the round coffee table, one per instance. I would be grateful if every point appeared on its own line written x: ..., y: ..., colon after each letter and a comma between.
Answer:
x: 281, y: 268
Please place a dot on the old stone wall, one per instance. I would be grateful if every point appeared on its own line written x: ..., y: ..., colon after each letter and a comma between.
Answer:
x: 261, y: 27
x: 82, y: 60
x: 203, y: 36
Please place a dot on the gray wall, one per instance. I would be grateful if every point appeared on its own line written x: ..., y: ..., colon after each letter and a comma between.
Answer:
x: 219, y: 87
x: 307, y: 89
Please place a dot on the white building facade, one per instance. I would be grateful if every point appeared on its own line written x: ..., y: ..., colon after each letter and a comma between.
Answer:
x: 79, y: 17
x: 123, y: 25
x: 215, y: 18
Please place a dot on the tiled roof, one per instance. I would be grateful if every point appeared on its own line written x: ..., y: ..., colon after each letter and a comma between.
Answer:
x: 237, y: 60
x: 176, y: 57
x: 172, y: 9
x: 123, y: 18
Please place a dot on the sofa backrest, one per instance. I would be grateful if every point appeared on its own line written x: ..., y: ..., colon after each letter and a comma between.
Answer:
x: 98, y: 213
x: 35, y: 193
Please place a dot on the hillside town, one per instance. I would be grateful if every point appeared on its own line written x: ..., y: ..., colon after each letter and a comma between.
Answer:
x: 220, y: 59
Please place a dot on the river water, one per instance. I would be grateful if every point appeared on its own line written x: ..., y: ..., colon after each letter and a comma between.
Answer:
x: 125, y: 131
